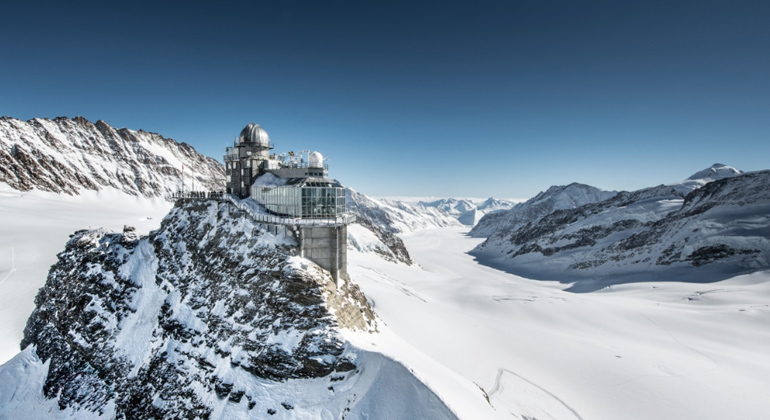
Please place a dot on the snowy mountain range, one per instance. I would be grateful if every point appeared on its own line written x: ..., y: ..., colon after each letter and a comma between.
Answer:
x: 468, y: 212
x: 72, y: 155
x: 709, y: 227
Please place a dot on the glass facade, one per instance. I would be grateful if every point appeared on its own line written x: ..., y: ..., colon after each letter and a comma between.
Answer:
x: 308, y: 202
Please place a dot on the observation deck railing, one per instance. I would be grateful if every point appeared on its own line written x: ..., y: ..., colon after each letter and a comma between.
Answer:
x: 344, y: 219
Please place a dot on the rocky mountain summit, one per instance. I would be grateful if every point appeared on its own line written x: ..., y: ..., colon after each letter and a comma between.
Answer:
x: 70, y: 155
x: 209, y: 316
x: 713, y: 231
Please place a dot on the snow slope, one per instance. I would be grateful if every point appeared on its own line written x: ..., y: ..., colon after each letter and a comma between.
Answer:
x: 380, y: 220
x: 664, y: 350
x: 397, y: 216
x: 35, y: 225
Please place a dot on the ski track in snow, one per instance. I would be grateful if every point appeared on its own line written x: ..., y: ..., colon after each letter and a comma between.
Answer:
x: 400, y: 285
x: 13, y: 266
x: 673, y: 337
x: 498, y: 388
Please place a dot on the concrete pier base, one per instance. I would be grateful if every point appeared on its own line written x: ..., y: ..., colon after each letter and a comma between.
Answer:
x: 327, y: 247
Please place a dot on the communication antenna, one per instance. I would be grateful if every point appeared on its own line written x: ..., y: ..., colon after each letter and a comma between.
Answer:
x: 305, y: 154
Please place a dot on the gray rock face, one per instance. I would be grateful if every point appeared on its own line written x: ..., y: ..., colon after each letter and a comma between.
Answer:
x: 196, y: 315
x: 71, y: 155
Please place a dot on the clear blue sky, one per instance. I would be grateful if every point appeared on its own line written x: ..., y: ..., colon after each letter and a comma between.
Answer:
x: 478, y: 98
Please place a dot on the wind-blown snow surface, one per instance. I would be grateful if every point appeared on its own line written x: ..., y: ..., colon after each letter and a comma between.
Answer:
x: 634, y: 351
x: 35, y: 225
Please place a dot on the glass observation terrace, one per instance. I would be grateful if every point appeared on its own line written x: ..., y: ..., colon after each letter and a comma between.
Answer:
x: 306, y: 202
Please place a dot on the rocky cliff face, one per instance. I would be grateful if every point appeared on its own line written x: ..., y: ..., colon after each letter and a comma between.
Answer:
x: 69, y: 155
x: 714, y: 231
x: 208, y: 317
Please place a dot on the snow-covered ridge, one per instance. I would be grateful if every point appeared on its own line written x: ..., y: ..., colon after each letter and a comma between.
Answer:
x: 716, y: 231
x: 209, y: 316
x: 71, y: 155
x: 468, y: 212
x: 555, y: 198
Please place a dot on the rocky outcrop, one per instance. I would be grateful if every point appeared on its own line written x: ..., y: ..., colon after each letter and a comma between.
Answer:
x: 71, y: 155
x: 207, y: 311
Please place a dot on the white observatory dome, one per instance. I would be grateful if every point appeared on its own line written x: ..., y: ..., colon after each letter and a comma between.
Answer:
x: 253, y: 133
x: 316, y: 160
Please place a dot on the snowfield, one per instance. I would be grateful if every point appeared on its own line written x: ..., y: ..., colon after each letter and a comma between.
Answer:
x: 660, y: 350
x: 35, y: 226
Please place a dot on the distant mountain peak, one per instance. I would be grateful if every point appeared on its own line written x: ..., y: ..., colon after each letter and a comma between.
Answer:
x: 715, y: 172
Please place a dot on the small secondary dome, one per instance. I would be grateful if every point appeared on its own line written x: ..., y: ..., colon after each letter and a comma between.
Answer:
x: 316, y: 160
x: 253, y: 133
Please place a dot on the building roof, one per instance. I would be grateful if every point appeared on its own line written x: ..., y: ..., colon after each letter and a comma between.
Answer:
x: 253, y: 133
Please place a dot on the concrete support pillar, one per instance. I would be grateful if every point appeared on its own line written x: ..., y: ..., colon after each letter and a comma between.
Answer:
x: 327, y: 247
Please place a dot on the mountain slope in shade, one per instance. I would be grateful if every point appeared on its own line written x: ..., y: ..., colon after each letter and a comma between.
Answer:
x: 716, y: 231
x: 210, y: 317
x: 71, y: 155
x: 555, y: 198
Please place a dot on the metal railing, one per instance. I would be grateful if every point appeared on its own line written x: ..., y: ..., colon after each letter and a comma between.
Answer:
x: 344, y: 219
